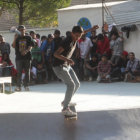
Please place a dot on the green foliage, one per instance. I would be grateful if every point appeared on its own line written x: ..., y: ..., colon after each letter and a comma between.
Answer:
x: 41, y: 13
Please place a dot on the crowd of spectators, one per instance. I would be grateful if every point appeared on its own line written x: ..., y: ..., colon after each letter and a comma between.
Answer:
x: 99, y: 57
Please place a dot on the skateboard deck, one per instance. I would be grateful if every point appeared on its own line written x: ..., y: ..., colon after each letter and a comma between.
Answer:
x: 71, y: 117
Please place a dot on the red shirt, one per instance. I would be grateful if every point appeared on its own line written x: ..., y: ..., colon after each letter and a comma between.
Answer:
x: 103, y: 47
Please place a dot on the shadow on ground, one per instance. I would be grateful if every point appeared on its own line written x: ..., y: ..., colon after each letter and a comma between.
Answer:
x: 97, y: 125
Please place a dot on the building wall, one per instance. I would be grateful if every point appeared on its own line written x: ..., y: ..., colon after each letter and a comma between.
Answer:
x: 132, y: 44
x: 67, y: 19
x: 10, y: 36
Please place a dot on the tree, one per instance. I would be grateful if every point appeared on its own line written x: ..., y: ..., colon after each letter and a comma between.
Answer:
x: 41, y: 13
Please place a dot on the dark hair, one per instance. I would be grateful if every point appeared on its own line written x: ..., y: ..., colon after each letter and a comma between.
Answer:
x: 32, y: 32
x: 8, y: 58
x: 115, y: 33
x: 100, y: 37
x: 104, y: 55
x: 132, y: 53
x: 38, y: 36
x: 1, y: 35
x: 43, y: 37
x: 57, y: 32
x: 77, y: 29
x: 68, y: 33
x: 21, y: 27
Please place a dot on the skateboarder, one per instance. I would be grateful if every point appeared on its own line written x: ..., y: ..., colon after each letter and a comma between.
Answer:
x: 62, y: 66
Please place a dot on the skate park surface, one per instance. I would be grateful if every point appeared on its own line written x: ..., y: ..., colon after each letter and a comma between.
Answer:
x: 106, y: 111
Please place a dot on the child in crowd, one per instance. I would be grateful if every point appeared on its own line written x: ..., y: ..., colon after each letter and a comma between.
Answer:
x: 104, y: 69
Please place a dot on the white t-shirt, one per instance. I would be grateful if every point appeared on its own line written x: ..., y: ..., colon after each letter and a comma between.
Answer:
x: 84, y: 47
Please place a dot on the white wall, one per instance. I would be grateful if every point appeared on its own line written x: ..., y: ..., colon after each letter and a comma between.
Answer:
x: 132, y: 44
x: 67, y: 19
x: 10, y: 36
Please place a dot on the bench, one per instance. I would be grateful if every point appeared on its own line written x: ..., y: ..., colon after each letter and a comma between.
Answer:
x: 6, y: 80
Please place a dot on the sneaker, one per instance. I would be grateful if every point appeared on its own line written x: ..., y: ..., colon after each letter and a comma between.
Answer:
x: 90, y: 79
x: 70, y: 104
x: 18, y: 89
x: 27, y: 89
x: 68, y: 112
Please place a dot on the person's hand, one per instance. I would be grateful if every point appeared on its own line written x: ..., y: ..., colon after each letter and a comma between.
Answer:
x: 70, y: 62
x: 95, y: 27
x: 4, y: 64
x: 24, y: 53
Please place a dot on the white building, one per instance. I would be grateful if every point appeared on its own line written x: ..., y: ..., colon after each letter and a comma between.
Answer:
x: 124, y: 13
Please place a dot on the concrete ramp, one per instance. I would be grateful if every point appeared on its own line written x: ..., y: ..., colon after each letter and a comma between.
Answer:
x: 93, y: 125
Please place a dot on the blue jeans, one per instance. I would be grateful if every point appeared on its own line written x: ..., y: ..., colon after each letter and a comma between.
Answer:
x: 68, y: 76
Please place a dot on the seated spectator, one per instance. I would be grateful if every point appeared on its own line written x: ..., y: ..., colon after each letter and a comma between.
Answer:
x: 7, y: 68
x: 41, y: 74
x: 104, y: 69
x: 133, y: 68
x: 4, y: 46
x: 103, y: 46
x: 123, y: 63
x: 91, y: 68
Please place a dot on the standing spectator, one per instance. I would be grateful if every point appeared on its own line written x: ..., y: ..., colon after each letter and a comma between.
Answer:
x: 38, y: 40
x: 36, y: 53
x: 43, y: 38
x: 116, y: 45
x: 47, y: 49
x: 104, y: 69
x: 133, y: 68
x: 103, y: 46
x: 84, y: 46
x: 4, y: 46
x: 57, y: 39
x: 23, y: 44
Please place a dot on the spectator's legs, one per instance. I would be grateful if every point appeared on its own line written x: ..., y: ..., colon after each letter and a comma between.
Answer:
x: 27, y: 72
x: 19, y: 67
x: 99, y: 78
x: 49, y: 70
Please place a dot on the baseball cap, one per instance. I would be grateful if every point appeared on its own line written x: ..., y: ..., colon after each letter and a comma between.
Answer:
x: 21, y: 27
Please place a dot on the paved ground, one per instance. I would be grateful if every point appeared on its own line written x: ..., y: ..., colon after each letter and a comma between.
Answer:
x: 106, y: 112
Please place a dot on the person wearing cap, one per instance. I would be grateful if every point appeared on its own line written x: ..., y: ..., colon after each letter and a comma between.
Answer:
x: 4, y: 46
x: 47, y: 49
x: 23, y: 45
x: 62, y: 66
x: 104, y: 69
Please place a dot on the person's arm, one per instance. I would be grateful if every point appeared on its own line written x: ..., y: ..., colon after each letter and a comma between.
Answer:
x: 91, y: 29
x: 88, y: 66
x: 14, y: 41
x: 109, y: 69
x: 58, y: 54
x: 99, y: 68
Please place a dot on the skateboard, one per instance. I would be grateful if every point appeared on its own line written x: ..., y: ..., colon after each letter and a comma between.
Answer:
x: 71, y: 117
